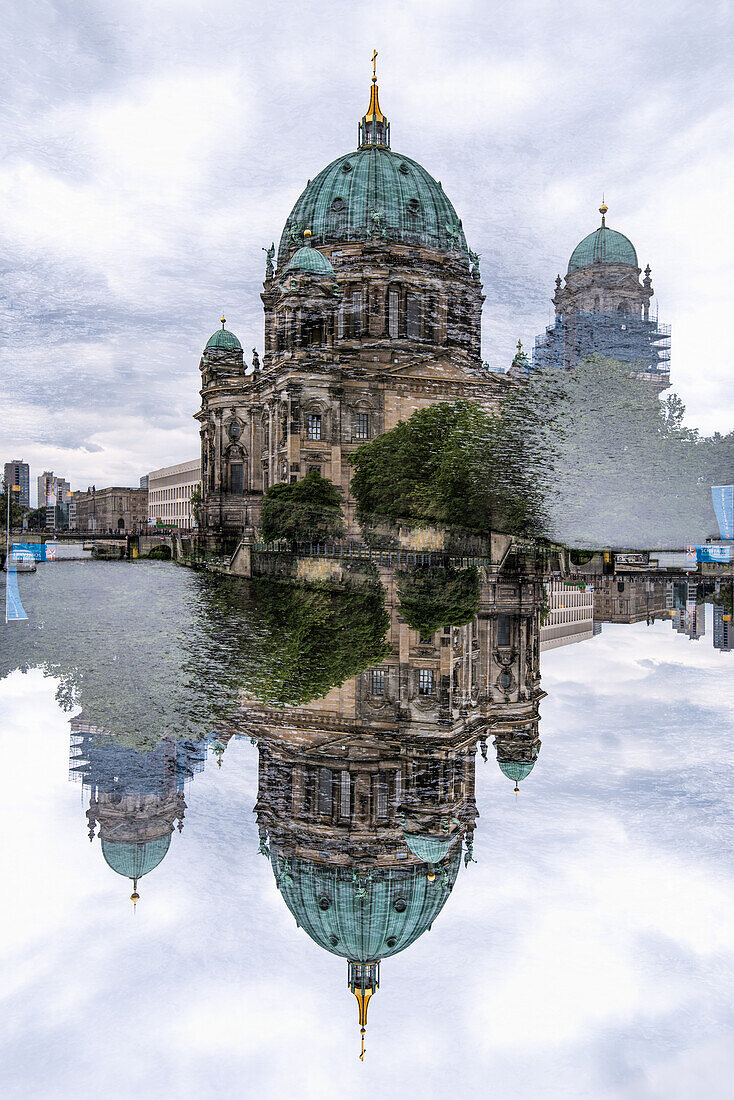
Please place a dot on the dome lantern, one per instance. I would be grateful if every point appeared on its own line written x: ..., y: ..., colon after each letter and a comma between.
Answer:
x: 374, y: 128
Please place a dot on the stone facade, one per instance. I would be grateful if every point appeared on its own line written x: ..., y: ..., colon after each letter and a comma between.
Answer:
x: 117, y: 509
x: 372, y: 310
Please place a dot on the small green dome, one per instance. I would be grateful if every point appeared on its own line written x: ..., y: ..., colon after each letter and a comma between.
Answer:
x: 431, y: 849
x: 135, y: 860
x: 374, y: 189
x: 603, y: 246
x: 515, y: 770
x: 311, y: 260
x: 363, y: 920
x: 223, y: 340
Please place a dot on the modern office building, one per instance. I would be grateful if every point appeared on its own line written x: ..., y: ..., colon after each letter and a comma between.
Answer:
x: 17, y: 472
x: 723, y: 631
x: 169, y: 495
x: 54, y: 494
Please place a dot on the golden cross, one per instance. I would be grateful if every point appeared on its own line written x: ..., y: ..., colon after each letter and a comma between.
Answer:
x: 374, y: 64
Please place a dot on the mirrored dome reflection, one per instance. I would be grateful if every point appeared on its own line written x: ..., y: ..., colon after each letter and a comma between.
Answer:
x: 366, y: 798
x: 136, y: 794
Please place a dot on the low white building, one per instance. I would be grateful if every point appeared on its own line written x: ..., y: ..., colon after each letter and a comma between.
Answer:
x: 169, y: 495
x: 570, y: 617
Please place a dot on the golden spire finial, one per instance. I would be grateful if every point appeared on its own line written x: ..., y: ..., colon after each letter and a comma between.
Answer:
x: 135, y: 896
x: 363, y: 1051
x: 519, y: 345
x: 603, y: 209
x: 374, y: 66
x: 307, y: 234
x: 374, y: 129
x: 223, y: 320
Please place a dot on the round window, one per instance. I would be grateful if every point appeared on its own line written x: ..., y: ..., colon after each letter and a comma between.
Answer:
x: 390, y: 941
x: 324, y: 903
x: 400, y: 905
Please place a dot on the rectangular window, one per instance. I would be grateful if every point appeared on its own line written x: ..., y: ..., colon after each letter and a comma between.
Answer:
x: 236, y: 478
x: 356, y: 312
x: 361, y: 426
x: 345, y: 795
x: 426, y: 682
x: 324, y: 791
x: 313, y: 426
x: 340, y: 322
x: 377, y: 681
x: 413, y: 318
x: 314, y: 470
x: 503, y: 630
x: 393, y: 302
x: 382, y: 795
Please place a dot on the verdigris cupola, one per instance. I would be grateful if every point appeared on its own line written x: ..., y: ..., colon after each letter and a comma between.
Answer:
x: 222, y: 358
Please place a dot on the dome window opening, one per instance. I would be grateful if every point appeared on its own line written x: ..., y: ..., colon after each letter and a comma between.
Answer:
x: 324, y: 904
x: 313, y: 426
x: 400, y: 905
x: 390, y: 941
x: 413, y: 317
x: 361, y: 426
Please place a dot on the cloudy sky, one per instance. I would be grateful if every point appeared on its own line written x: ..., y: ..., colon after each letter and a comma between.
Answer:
x: 151, y: 148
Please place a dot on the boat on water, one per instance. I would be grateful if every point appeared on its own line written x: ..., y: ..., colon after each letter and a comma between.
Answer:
x: 22, y: 563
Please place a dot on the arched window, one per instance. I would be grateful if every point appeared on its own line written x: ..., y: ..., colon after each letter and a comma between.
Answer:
x: 356, y: 312
x: 622, y: 307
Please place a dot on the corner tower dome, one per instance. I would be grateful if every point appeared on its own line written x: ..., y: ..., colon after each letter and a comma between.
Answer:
x: 603, y: 246
x: 223, y: 340
x: 374, y: 191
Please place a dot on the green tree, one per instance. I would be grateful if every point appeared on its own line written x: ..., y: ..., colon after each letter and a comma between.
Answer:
x: 16, y: 512
x: 452, y: 464
x: 304, y: 511
x: 432, y: 598
x: 196, y: 504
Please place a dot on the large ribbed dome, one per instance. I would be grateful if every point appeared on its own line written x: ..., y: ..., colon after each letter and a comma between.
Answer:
x: 364, y: 920
x: 374, y: 189
x: 603, y: 246
x: 135, y: 860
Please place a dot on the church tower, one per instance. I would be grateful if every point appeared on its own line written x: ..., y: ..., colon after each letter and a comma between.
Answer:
x: 372, y: 310
x: 603, y: 308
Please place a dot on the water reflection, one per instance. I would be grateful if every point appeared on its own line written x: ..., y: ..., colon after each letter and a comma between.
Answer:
x: 136, y: 795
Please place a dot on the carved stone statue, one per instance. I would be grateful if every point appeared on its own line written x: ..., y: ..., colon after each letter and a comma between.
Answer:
x: 255, y: 360
x: 269, y: 254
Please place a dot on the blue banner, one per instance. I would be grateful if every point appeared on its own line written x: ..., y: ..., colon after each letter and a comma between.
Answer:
x: 723, y: 498
x: 22, y: 550
x: 719, y: 554
x: 14, y: 610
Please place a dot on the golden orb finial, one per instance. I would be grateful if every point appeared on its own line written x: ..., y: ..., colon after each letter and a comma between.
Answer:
x: 223, y: 320
x: 307, y: 233
x: 517, y: 789
x: 603, y: 208
x: 431, y: 876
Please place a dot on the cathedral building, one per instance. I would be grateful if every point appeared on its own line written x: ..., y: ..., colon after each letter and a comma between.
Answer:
x: 603, y: 308
x: 373, y: 308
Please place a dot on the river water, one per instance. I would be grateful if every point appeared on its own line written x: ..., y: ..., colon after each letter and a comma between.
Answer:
x: 587, y: 952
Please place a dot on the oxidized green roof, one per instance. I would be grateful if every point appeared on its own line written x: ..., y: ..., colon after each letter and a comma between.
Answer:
x: 431, y: 849
x: 363, y: 929
x: 224, y: 341
x: 339, y: 204
x: 135, y: 860
x: 311, y: 260
x: 603, y: 246
x: 515, y: 770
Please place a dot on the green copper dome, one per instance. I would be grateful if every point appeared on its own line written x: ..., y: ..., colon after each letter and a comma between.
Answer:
x: 603, y: 246
x: 359, y: 919
x: 374, y: 190
x: 310, y: 260
x: 135, y: 860
x: 515, y: 770
x: 223, y: 340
